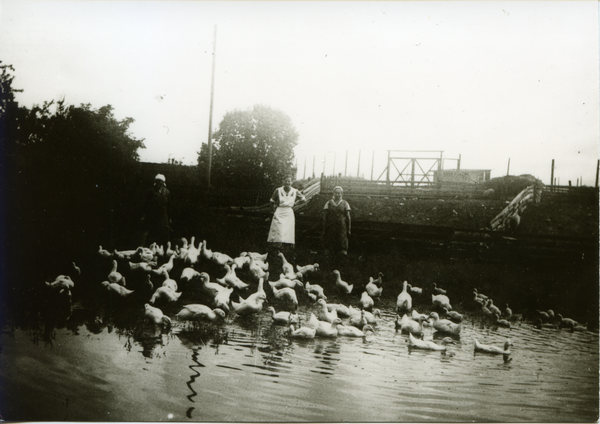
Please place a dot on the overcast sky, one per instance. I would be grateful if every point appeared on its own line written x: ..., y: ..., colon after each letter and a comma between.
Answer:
x: 489, y: 81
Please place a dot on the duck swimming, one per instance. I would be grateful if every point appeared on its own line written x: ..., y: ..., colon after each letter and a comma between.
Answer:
x: 404, y: 300
x: 249, y: 306
x: 353, y: 331
x: 283, y: 317
x: 341, y: 310
x: 199, y: 312
x: 410, y: 326
x: 326, y: 329
x: 415, y: 343
x: 444, y: 325
x: 493, y: 349
x: 323, y: 313
x: 501, y: 322
x: 453, y: 316
x: 302, y: 332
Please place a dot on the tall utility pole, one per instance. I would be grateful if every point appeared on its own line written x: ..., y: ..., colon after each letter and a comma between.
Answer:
x: 212, y: 94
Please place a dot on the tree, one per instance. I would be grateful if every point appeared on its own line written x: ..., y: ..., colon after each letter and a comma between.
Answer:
x: 252, y: 148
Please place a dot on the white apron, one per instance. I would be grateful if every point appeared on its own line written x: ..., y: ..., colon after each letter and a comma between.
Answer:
x: 283, y: 225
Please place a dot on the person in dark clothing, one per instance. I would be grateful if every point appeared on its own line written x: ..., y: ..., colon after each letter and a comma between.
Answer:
x: 156, y: 215
x: 336, y: 224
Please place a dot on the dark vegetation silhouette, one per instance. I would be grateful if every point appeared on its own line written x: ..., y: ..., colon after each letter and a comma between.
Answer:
x: 64, y: 173
x: 252, y: 148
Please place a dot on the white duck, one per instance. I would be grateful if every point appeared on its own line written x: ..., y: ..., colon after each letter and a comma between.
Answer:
x: 286, y: 282
x: 326, y: 329
x: 169, y: 251
x: 323, y: 313
x: 415, y: 343
x: 286, y: 294
x: 366, y: 301
x: 453, y: 315
x: 410, y: 326
x: 313, y: 321
x: 493, y: 308
x: 342, y: 286
x: 211, y: 289
x: 302, y: 332
x: 360, y: 314
x: 167, y: 266
x: 493, y: 349
x: 189, y: 274
x: 104, y: 253
x: 61, y: 283
x: 414, y: 289
x: 199, y: 312
x: 156, y: 316
x: 283, y: 317
x: 404, y: 300
x: 441, y: 301
x: 255, y: 270
x: 501, y: 322
x: 221, y: 300
x: 156, y: 249
x: 221, y: 259
x: 205, y: 253
x: 566, y: 322
x: 307, y: 269
x: 288, y: 268
x: 373, y: 289
x: 192, y: 254
x: 315, y: 289
x: 169, y: 282
x: 240, y: 261
x: 115, y: 276
x: 444, y: 325
x: 415, y: 315
x: 249, y: 306
x: 117, y: 289
x: 359, y: 320
x: 342, y: 310
x: 231, y: 279
x: 255, y: 255
x: 438, y: 290
x: 140, y: 266
x: 165, y: 294
x: 353, y: 331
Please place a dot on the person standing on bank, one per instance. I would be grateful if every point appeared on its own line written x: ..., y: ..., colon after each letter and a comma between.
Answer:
x: 156, y: 215
x: 282, y: 233
x: 336, y: 223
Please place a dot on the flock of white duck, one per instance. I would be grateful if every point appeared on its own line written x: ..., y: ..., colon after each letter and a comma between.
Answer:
x: 156, y: 289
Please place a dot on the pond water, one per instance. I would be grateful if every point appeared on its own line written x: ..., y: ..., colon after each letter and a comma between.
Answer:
x: 249, y: 370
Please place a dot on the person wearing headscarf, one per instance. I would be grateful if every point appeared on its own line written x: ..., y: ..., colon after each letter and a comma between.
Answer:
x: 336, y: 223
x: 157, y: 212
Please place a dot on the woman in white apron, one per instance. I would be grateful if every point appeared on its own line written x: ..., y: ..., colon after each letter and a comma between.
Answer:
x: 283, y: 226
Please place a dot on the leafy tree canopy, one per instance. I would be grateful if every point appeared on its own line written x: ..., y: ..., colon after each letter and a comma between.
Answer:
x: 252, y: 148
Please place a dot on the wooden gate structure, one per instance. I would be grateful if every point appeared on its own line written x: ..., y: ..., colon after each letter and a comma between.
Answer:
x: 404, y: 169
